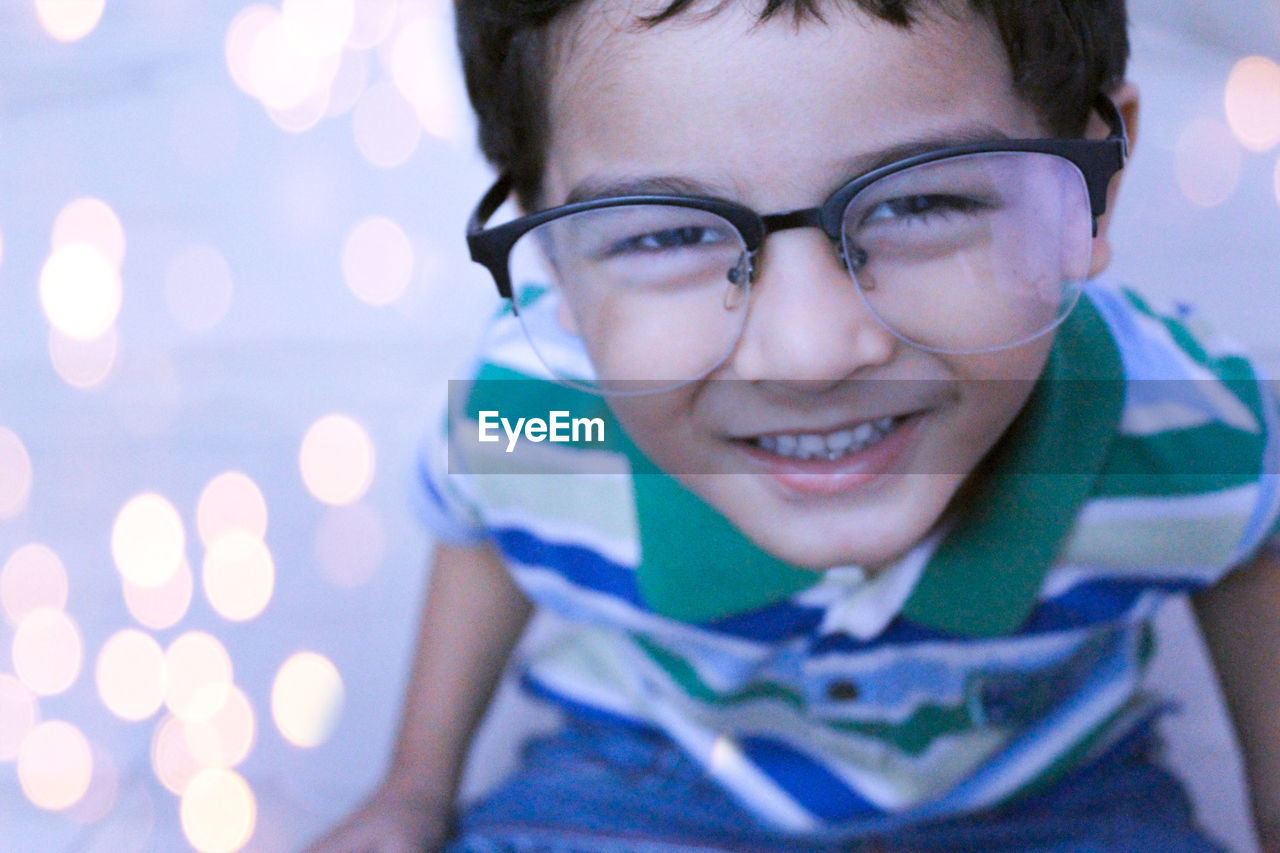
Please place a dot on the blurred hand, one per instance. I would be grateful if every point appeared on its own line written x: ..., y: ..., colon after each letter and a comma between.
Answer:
x: 388, y: 822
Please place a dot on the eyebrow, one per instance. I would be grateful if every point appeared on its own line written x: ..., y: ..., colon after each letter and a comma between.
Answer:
x: 674, y: 185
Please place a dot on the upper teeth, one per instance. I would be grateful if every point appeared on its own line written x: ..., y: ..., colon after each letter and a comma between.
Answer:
x: 831, y: 445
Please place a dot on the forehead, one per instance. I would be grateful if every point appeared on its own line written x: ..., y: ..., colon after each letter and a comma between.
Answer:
x: 715, y: 95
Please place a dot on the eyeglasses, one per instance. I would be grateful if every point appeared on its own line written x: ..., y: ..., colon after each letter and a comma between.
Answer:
x: 966, y: 249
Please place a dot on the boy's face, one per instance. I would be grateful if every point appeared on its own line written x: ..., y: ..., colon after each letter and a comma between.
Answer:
x: 776, y: 116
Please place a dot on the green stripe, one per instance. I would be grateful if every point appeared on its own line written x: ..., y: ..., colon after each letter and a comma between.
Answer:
x: 684, y: 675
x: 914, y: 735
x: 1198, y: 460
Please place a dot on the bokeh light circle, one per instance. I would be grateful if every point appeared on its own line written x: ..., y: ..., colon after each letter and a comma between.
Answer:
x: 349, y: 83
x: 83, y: 364
x: 55, y: 765
x: 336, y: 460
x: 1252, y: 102
x: 218, y: 811
x: 47, y: 651
x: 318, y: 27
x: 32, y: 577
x: 423, y: 65
x: 69, y: 20
x: 243, y: 31
x: 19, y: 714
x: 302, y: 116
x: 229, y: 502
x: 148, y: 540
x: 239, y: 576
x: 198, y: 675
x: 281, y: 75
x: 306, y: 699
x: 130, y: 675
x: 80, y: 291
x: 91, y: 222
x: 163, y: 606
x: 1207, y: 162
x: 171, y: 757
x: 386, y: 126
x: 373, y: 22
x: 104, y: 787
x: 226, y: 738
x: 15, y: 474
x: 377, y: 260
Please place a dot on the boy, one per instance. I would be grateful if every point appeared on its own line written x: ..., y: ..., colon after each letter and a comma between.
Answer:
x: 872, y: 565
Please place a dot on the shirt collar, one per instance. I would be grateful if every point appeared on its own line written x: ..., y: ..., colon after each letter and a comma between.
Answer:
x: 984, y: 577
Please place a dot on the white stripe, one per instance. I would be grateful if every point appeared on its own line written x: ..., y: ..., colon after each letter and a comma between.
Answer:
x: 1064, y: 578
x: 1226, y: 503
x: 589, y: 605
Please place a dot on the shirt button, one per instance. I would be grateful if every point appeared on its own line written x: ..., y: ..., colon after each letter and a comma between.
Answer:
x: 842, y: 691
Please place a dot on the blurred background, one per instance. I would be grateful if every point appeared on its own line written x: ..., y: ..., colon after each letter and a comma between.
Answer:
x: 232, y: 288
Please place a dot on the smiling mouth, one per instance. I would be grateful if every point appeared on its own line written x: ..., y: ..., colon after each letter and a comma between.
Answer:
x: 828, y: 446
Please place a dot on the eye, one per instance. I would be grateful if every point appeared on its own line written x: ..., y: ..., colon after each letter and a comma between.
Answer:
x: 923, y: 207
x: 668, y: 239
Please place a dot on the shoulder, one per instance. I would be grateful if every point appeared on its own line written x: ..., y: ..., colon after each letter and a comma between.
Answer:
x: 1165, y: 340
x: 1186, y: 475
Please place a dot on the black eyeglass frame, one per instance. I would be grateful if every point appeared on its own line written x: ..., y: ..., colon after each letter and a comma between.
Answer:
x: 1097, y: 159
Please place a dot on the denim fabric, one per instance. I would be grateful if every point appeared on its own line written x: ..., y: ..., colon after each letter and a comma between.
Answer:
x: 600, y: 787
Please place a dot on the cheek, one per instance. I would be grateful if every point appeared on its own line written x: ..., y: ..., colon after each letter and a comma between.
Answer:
x: 661, y: 426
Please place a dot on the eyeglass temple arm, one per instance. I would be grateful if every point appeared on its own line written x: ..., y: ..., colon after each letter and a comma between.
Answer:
x: 1107, y: 158
x: 484, y: 251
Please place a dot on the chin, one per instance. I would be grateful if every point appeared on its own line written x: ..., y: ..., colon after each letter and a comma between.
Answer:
x: 871, y: 530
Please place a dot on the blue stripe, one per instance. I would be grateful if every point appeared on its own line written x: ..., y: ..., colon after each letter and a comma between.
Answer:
x: 1098, y: 601
x: 809, y: 783
x: 899, y: 632
x: 774, y: 623
x: 581, y: 566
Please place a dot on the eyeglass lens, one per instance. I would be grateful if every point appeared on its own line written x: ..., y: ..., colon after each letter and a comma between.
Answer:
x: 967, y: 254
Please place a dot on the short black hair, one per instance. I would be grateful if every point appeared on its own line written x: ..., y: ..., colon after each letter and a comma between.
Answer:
x: 1062, y: 54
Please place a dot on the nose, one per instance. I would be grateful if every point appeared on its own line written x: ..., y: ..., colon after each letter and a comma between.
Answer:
x: 807, y: 320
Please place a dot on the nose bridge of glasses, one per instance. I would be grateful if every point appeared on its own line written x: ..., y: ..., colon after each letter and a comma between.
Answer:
x: 807, y: 320
x: 809, y: 217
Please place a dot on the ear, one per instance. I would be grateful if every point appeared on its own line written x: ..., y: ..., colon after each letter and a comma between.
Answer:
x: 1125, y: 97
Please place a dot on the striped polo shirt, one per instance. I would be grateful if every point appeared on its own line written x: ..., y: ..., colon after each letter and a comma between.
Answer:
x: 1003, y: 651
